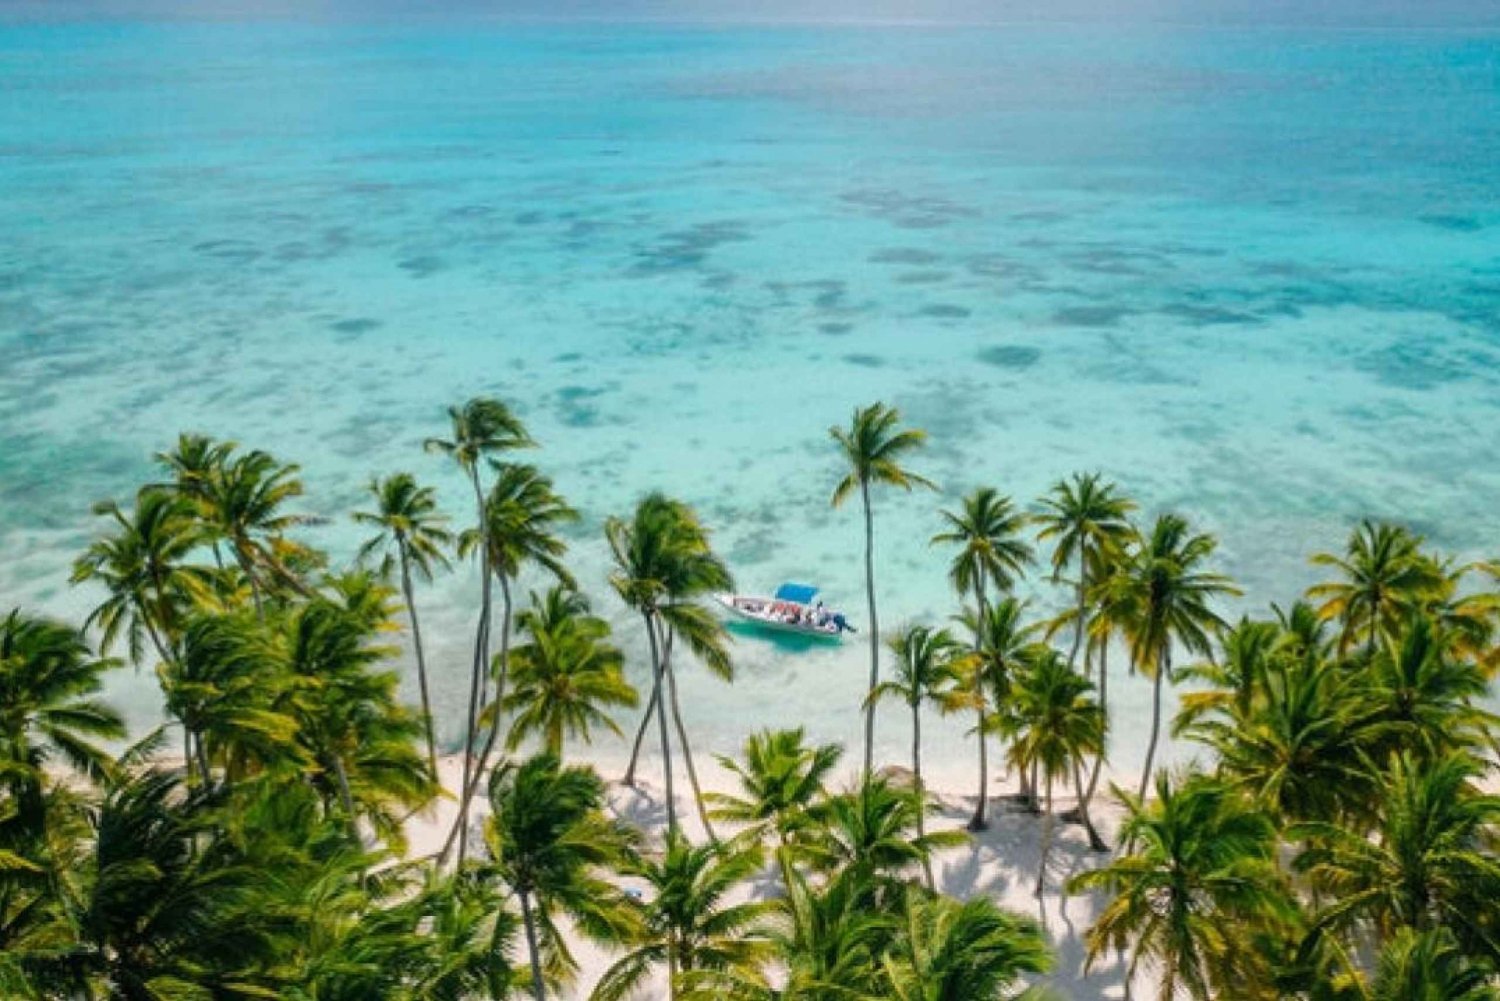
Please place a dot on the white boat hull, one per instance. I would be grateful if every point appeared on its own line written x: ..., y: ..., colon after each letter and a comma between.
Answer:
x: 781, y: 616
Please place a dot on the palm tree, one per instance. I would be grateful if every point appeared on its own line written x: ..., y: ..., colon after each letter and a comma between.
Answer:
x: 874, y: 445
x: 1196, y: 868
x: 1002, y: 641
x: 566, y: 674
x: 782, y: 783
x: 1161, y: 597
x: 926, y: 662
x: 1430, y: 862
x: 224, y: 689
x: 687, y: 925
x: 523, y: 515
x: 987, y: 529
x: 948, y: 949
x: 48, y: 711
x: 1088, y: 517
x: 1057, y: 725
x: 1424, y: 694
x: 242, y: 505
x: 410, y: 526
x: 481, y: 428
x: 144, y: 567
x: 875, y: 830
x: 663, y: 565
x: 164, y: 906
x: 1429, y: 966
x: 1298, y: 750
x: 551, y: 846
x: 349, y: 723
x: 1385, y: 576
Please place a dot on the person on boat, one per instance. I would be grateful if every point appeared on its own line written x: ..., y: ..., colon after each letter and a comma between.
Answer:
x: 842, y: 624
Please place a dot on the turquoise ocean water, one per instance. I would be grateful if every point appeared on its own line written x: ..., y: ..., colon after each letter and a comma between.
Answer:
x: 1253, y: 274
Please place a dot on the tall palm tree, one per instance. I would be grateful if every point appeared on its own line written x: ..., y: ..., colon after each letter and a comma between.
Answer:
x: 1087, y: 516
x: 144, y: 566
x: 411, y: 527
x: 1002, y: 641
x: 1196, y: 869
x: 664, y: 564
x: 782, y: 786
x: 481, y: 428
x: 1385, y: 575
x: 522, y: 519
x: 987, y: 531
x: 566, y: 674
x: 552, y: 846
x: 926, y: 668
x: 1057, y: 725
x: 949, y: 949
x: 874, y: 445
x: 48, y: 712
x: 228, y: 688
x: 1162, y: 597
x: 1430, y: 862
x: 687, y: 924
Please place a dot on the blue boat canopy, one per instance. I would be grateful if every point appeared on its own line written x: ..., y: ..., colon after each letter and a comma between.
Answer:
x: 802, y: 594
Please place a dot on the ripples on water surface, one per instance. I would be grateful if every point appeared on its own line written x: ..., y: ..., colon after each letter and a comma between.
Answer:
x: 1255, y: 276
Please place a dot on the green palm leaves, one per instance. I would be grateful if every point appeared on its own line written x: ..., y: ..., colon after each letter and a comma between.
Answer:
x: 565, y: 674
x: 688, y: 924
x: 873, y: 446
x: 409, y: 524
x: 986, y: 529
x: 1195, y: 874
x: 1160, y: 597
x: 663, y: 566
x: 1056, y: 725
x: 1385, y: 576
x: 552, y: 845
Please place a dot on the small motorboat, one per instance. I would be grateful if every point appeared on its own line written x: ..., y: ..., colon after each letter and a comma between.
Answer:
x: 792, y: 609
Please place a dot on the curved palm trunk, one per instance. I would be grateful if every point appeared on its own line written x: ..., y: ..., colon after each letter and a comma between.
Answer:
x: 1164, y: 665
x: 538, y: 988
x: 979, y: 821
x: 481, y: 658
x: 916, y: 771
x: 1047, y: 821
x: 864, y: 495
x: 416, y: 638
x: 346, y: 796
x: 1097, y: 843
x: 1082, y: 608
x: 471, y: 787
x: 202, y: 756
x: 640, y: 736
x: 661, y: 718
x: 682, y: 737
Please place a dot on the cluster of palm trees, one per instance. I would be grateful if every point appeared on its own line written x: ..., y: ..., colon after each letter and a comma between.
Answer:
x: 1336, y: 845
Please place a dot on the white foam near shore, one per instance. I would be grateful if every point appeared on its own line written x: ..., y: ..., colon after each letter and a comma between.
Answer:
x: 1000, y: 863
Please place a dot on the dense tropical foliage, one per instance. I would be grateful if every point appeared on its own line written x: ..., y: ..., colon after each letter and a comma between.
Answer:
x: 1336, y: 839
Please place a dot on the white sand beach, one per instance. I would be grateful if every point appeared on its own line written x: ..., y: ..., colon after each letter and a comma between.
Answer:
x: 1000, y: 862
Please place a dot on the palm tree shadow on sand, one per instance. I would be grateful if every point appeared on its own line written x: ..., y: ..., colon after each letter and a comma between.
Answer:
x: 1001, y: 862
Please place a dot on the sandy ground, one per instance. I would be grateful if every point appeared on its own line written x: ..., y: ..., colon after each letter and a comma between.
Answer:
x: 1000, y: 863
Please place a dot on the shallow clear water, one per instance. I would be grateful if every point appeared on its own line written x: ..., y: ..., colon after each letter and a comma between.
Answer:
x: 1254, y: 275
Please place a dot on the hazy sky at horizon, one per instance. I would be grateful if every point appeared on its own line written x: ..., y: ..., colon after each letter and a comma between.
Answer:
x: 1349, y: 13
